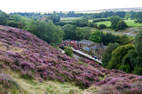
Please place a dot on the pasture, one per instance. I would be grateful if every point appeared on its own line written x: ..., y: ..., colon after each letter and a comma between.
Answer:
x: 69, y: 19
x: 107, y: 23
x: 132, y: 23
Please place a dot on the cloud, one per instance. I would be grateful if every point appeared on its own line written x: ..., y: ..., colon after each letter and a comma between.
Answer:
x: 65, y: 5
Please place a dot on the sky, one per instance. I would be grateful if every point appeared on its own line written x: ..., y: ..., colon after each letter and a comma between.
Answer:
x: 64, y: 5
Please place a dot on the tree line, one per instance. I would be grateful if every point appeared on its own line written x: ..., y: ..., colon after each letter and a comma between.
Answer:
x: 126, y: 57
x: 106, y: 14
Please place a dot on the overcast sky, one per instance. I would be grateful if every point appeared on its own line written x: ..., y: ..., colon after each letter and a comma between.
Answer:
x: 64, y: 5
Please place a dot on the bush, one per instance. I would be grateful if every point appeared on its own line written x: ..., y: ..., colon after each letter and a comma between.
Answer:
x: 121, y: 25
x: 100, y: 20
x: 114, y: 21
x: 68, y: 51
x: 90, y: 24
x: 7, y: 82
x: 108, y: 89
x: 96, y: 25
x: 138, y: 70
x: 101, y: 26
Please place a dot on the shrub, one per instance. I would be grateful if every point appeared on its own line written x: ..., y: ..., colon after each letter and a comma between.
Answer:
x: 68, y: 51
x: 27, y: 74
x: 121, y: 25
x: 131, y: 91
x: 138, y: 70
x: 96, y: 25
x: 108, y: 89
x: 7, y: 82
x: 100, y: 20
x: 101, y: 26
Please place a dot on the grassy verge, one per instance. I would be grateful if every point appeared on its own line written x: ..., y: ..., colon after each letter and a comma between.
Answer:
x: 46, y: 87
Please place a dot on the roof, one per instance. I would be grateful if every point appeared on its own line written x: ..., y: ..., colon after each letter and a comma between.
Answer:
x: 94, y: 47
x: 86, y: 48
x: 86, y: 42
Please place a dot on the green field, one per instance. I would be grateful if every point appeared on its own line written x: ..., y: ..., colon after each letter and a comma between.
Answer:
x: 69, y: 19
x: 132, y: 23
x: 107, y: 23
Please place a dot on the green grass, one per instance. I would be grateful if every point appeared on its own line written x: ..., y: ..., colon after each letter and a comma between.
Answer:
x: 131, y: 23
x: 107, y: 23
x: 83, y: 63
x: 31, y: 86
x: 69, y: 19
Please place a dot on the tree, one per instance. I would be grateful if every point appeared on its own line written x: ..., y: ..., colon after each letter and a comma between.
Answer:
x: 120, y: 57
x: 96, y: 36
x: 54, y: 17
x: 121, y: 25
x: 138, y: 70
x: 138, y: 59
x: 108, y: 52
x: 114, y: 21
x: 76, y: 33
x: 101, y: 26
x: 128, y: 15
x: 110, y: 38
x: 4, y: 18
x: 47, y: 31
x: 106, y: 38
x: 69, y: 32
x: 124, y: 39
x: 139, y: 17
x: 83, y: 33
x: 17, y: 21
x: 90, y: 24
x: 138, y: 65
x: 81, y: 22
x: 127, y: 57
x: 138, y: 39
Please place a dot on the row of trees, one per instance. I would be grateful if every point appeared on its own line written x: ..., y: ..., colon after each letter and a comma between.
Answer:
x: 75, y: 33
x: 126, y: 57
x: 14, y: 21
x: 107, y: 14
x: 73, y: 14
x: 106, y: 38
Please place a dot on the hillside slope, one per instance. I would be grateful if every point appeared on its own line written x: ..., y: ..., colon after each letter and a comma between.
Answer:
x: 33, y: 58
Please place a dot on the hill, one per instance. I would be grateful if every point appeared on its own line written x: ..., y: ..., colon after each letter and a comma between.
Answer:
x: 24, y: 57
x: 136, y: 9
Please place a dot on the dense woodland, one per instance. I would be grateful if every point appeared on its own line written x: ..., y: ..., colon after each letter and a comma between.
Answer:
x: 123, y: 52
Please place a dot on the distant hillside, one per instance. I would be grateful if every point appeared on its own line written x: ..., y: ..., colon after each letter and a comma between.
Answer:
x: 114, y: 9
x: 31, y: 58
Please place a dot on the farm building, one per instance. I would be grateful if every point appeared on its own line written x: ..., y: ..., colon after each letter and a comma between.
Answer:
x: 96, y: 49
